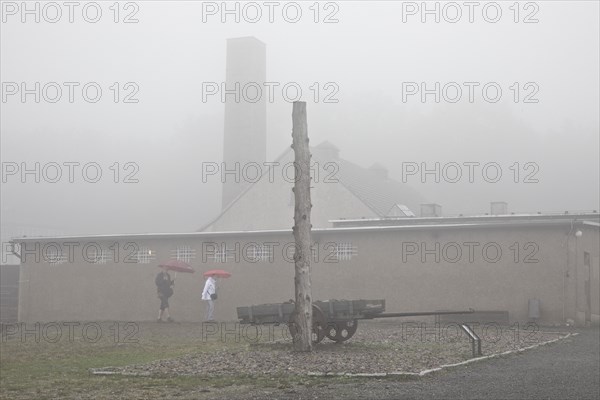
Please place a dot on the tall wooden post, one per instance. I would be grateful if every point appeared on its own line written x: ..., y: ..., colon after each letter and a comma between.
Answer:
x: 302, y: 317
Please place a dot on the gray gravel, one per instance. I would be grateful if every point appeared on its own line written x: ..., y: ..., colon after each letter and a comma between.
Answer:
x: 378, y: 347
x: 568, y: 369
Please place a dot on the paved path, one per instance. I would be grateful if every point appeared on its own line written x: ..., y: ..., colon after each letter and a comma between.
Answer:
x: 569, y: 369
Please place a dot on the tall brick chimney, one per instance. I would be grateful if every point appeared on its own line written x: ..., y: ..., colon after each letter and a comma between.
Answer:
x: 245, y: 132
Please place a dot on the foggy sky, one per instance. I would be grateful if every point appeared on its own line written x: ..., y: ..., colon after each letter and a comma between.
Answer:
x: 369, y: 53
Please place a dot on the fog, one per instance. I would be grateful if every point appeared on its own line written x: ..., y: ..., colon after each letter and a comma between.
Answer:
x: 370, y: 54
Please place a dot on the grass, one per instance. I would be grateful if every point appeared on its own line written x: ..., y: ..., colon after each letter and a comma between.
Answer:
x: 61, y: 369
x: 30, y: 369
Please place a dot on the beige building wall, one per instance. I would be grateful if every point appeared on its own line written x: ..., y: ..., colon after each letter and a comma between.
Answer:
x: 587, y: 275
x: 382, y: 266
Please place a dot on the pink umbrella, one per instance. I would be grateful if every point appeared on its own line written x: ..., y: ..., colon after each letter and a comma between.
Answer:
x: 217, y: 272
x: 177, y: 266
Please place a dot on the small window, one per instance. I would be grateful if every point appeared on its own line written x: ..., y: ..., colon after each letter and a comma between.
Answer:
x: 221, y: 255
x: 345, y: 251
x: 259, y: 252
x: 145, y: 256
x: 55, y: 255
x: 184, y: 253
x: 100, y: 256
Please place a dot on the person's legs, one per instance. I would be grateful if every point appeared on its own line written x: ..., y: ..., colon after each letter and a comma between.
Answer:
x: 164, y: 309
x: 210, y: 307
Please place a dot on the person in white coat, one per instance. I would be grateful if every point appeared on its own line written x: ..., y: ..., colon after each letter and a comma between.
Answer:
x: 209, y: 295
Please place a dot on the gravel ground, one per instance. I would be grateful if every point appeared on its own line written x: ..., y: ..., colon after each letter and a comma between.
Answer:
x: 568, y: 369
x: 377, y: 347
x: 198, y: 367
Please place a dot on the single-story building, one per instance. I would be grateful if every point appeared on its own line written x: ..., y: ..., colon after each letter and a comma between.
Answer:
x: 492, y: 262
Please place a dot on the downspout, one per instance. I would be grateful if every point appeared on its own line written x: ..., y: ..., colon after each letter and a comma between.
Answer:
x: 566, y: 275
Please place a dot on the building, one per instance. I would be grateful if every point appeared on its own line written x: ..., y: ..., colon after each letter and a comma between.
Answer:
x: 494, y: 263
x: 340, y: 189
x: 368, y: 243
x: 257, y: 194
x: 9, y: 266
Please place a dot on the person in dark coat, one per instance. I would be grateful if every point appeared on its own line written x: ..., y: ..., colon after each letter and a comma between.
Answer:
x: 164, y: 288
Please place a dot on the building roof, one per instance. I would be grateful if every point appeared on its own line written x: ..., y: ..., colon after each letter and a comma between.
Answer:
x: 437, y: 223
x: 590, y: 218
x: 370, y: 185
x: 378, y: 192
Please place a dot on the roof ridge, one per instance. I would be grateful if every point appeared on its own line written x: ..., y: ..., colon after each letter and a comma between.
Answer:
x: 378, y: 192
x: 242, y: 193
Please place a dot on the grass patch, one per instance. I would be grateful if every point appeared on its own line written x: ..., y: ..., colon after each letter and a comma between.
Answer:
x: 34, y: 367
x: 40, y: 369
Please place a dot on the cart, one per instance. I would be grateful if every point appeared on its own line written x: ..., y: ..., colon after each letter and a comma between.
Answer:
x: 335, y: 319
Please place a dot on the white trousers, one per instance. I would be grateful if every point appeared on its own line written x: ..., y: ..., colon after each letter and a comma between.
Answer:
x: 210, y: 308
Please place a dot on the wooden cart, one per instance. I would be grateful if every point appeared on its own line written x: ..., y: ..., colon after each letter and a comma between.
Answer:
x: 335, y: 319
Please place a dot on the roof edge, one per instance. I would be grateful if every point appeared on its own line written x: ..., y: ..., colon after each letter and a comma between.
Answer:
x: 317, y: 231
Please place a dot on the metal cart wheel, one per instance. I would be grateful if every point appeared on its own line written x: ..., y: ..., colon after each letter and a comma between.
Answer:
x: 340, y: 331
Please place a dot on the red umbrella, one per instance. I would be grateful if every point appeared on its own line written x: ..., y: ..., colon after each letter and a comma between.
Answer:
x: 218, y: 272
x: 177, y: 266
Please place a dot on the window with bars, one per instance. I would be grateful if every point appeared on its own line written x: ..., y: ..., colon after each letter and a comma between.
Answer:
x: 100, y: 256
x: 345, y: 251
x: 55, y: 256
x: 221, y: 255
x: 144, y: 255
x: 259, y: 252
x: 184, y: 253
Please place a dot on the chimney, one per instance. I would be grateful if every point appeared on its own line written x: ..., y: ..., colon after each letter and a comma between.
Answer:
x: 431, y: 210
x: 380, y: 170
x: 498, y: 208
x: 245, y: 131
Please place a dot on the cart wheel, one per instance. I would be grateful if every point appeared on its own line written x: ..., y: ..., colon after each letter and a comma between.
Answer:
x: 340, y: 331
x: 319, y: 323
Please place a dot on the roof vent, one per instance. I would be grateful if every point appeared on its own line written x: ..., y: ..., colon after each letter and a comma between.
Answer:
x: 431, y: 210
x: 400, y: 210
x: 499, y: 208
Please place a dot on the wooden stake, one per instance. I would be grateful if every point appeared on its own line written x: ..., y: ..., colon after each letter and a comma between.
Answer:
x: 302, y: 226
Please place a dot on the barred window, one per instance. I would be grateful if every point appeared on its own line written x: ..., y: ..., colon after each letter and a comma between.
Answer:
x: 183, y: 253
x: 345, y: 251
x: 221, y: 254
x: 100, y: 256
x: 144, y: 255
x: 55, y: 255
x: 258, y: 252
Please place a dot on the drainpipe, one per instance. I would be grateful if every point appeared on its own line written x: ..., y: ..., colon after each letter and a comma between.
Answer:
x: 565, y: 275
